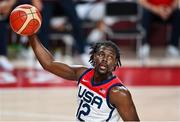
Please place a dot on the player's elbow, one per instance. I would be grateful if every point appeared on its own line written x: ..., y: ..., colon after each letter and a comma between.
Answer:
x: 47, y: 66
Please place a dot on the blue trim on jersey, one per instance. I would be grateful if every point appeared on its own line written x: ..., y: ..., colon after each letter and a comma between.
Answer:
x: 107, y: 98
x: 83, y: 74
x: 103, y: 82
x: 110, y: 115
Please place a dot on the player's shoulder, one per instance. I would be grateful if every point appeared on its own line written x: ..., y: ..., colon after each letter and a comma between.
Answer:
x: 83, y: 70
x: 120, y: 91
x: 119, y: 95
x: 80, y: 70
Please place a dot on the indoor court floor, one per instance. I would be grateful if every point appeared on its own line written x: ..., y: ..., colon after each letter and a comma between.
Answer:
x: 59, y: 104
x: 154, y: 102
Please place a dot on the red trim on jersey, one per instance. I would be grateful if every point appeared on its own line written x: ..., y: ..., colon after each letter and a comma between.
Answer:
x: 100, y: 89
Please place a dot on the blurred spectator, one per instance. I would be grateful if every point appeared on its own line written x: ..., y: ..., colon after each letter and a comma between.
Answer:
x: 90, y: 9
x: 167, y: 11
x: 68, y: 7
x: 98, y: 33
x: 5, y: 8
x: 93, y: 11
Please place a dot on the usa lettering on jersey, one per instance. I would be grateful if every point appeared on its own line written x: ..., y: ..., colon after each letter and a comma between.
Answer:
x: 88, y: 99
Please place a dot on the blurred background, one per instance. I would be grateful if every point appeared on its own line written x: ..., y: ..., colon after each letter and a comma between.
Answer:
x: 147, y: 32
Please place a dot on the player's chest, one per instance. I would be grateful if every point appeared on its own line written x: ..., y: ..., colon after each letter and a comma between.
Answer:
x: 92, y: 98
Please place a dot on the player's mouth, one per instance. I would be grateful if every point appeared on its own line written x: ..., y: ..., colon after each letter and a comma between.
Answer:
x: 103, y: 66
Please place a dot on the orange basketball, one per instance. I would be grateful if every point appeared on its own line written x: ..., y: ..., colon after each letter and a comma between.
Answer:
x: 25, y: 19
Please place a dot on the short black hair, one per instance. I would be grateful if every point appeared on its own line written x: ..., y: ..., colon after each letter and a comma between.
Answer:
x: 95, y: 47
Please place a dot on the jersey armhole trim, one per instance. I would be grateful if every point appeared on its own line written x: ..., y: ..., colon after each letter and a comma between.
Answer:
x: 83, y: 75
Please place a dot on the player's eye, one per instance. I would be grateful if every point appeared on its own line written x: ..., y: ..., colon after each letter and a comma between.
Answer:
x: 101, y: 54
x: 111, y: 57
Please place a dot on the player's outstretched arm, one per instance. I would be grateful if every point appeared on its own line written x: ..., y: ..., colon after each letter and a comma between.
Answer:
x: 121, y: 98
x: 48, y: 63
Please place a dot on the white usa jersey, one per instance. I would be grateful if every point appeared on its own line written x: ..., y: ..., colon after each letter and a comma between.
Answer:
x: 93, y: 99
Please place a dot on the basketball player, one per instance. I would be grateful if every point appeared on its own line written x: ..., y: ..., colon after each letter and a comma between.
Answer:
x: 101, y: 95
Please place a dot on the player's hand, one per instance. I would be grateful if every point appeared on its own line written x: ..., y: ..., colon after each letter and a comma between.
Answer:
x: 31, y: 36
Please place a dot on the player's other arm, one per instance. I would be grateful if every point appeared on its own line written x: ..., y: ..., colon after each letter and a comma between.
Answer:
x: 121, y: 98
x: 48, y: 63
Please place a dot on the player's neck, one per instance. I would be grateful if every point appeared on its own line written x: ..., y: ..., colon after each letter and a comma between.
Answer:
x: 100, y: 78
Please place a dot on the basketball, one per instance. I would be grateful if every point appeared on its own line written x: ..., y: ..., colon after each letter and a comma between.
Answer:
x: 25, y: 19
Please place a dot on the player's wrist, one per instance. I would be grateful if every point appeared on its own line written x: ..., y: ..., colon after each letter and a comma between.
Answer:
x: 31, y: 37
